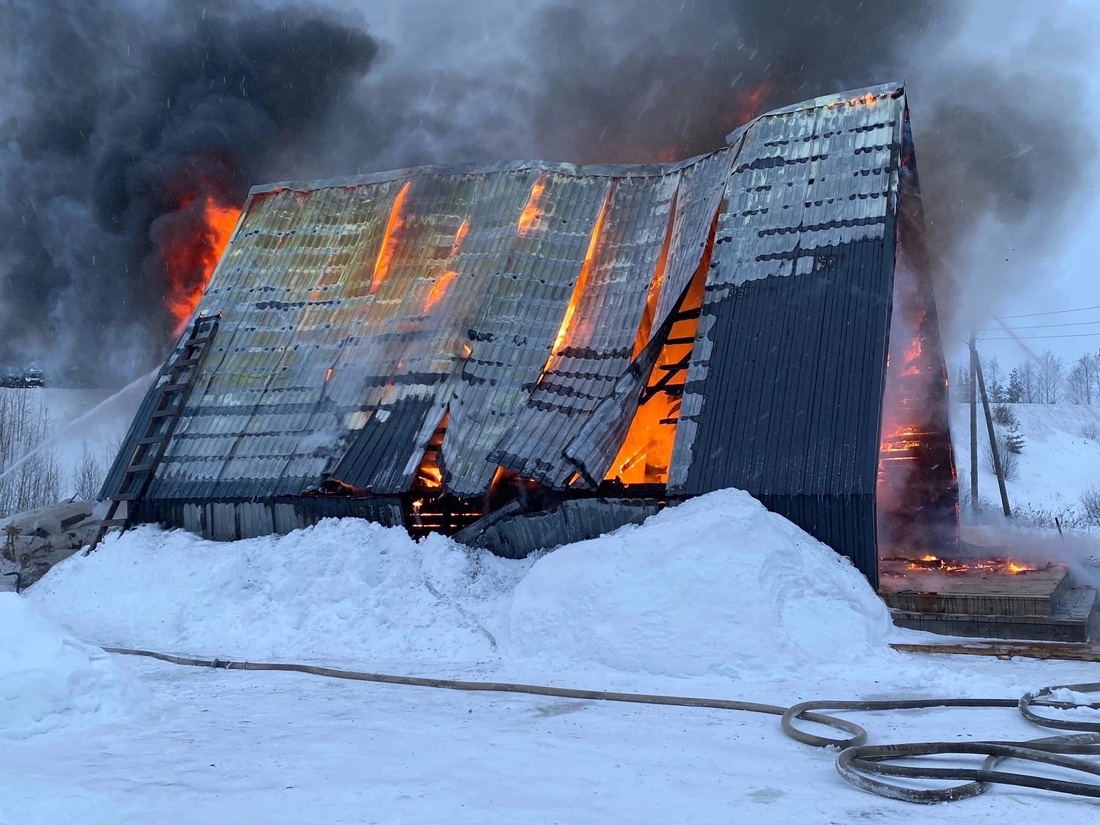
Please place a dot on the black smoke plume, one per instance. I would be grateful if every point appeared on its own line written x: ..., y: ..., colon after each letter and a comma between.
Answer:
x: 128, y: 119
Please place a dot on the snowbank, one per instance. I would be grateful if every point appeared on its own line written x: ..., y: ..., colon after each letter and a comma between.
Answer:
x: 715, y: 586
x: 345, y: 590
x: 50, y: 680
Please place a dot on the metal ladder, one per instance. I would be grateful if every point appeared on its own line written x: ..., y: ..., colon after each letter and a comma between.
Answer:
x: 174, y: 387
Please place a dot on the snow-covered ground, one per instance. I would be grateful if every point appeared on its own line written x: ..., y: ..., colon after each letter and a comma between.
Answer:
x: 714, y: 598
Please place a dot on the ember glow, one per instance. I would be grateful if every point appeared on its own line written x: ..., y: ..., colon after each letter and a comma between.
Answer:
x: 994, y: 565
x: 191, y: 257
x: 390, y: 239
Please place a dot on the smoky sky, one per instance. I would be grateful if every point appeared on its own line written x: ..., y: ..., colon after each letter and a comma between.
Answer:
x: 124, y: 116
x: 115, y: 111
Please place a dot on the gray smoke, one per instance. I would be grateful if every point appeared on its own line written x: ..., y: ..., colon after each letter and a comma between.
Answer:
x: 117, y: 110
x: 127, y: 116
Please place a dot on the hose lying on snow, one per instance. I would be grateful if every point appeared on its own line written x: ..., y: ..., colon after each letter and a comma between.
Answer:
x: 857, y: 762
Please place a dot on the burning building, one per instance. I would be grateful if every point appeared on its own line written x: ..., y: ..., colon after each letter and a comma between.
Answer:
x: 530, y: 353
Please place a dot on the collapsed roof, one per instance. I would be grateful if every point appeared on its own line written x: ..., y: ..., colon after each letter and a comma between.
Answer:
x: 526, y: 305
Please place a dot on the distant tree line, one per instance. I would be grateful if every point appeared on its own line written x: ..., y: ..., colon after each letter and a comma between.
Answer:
x: 1045, y: 380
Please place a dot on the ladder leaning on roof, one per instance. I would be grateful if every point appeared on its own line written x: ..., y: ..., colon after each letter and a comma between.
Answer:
x: 174, y: 387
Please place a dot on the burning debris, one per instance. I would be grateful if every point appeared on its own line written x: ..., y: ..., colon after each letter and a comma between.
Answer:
x: 995, y: 565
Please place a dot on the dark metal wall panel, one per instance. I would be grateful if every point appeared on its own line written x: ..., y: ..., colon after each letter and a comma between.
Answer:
x: 792, y: 401
x: 234, y: 520
x: 513, y: 331
x: 784, y: 392
x: 596, y: 348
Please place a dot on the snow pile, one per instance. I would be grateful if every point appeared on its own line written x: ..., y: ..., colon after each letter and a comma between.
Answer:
x: 50, y: 680
x: 717, y: 585
x: 347, y: 591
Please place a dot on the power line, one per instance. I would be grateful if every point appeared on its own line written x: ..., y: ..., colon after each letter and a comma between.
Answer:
x: 1042, y: 337
x: 1055, y: 312
x: 1041, y: 326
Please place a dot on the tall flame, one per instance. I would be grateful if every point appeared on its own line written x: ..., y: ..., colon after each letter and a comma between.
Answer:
x: 530, y: 212
x: 390, y: 239
x: 190, y: 262
x: 582, y: 281
x: 439, y: 289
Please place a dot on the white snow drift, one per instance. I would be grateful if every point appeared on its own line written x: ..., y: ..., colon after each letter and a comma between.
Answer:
x: 50, y: 680
x: 714, y: 586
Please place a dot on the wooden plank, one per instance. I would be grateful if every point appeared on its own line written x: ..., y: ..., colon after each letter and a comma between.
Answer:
x: 1007, y: 650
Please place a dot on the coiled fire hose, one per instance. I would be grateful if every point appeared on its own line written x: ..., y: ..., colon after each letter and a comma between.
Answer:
x: 859, y: 763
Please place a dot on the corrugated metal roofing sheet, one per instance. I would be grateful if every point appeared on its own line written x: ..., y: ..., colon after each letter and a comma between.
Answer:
x: 596, y: 347
x: 784, y: 391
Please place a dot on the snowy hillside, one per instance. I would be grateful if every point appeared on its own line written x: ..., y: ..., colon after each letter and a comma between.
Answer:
x: 1059, y: 462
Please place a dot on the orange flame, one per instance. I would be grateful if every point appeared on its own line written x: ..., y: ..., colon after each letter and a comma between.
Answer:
x: 582, y: 281
x: 460, y: 236
x: 190, y: 265
x: 531, y: 212
x: 439, y: 289
x: 389, y: 240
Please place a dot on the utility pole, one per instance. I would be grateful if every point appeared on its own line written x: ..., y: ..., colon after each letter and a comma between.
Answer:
x: 975, y: 507
x: 992, y: 436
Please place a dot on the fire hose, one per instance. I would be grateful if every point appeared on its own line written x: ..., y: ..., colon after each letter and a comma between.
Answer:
x: 858, y: 763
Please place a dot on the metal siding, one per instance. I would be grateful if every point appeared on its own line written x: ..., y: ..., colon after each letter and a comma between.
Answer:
x: 407, y: 393
x: 786, y: 383
x: 513, y: 331
x: 700, y: 194
x: 597, y: 442
x: 784, y: 390
x: 259, y: 411
x: 597, y: 348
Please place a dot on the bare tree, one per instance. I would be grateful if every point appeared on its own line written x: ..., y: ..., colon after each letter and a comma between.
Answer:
x: 1050, y: 373
x: 1084, y: 380
x: 1028, y: 387
x: 29, y: 473
x: 994, y: 380
x: 91, y: 470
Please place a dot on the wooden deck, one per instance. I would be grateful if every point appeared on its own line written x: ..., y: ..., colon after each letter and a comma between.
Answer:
x: 977, y: 592
x: 1041, y: 605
